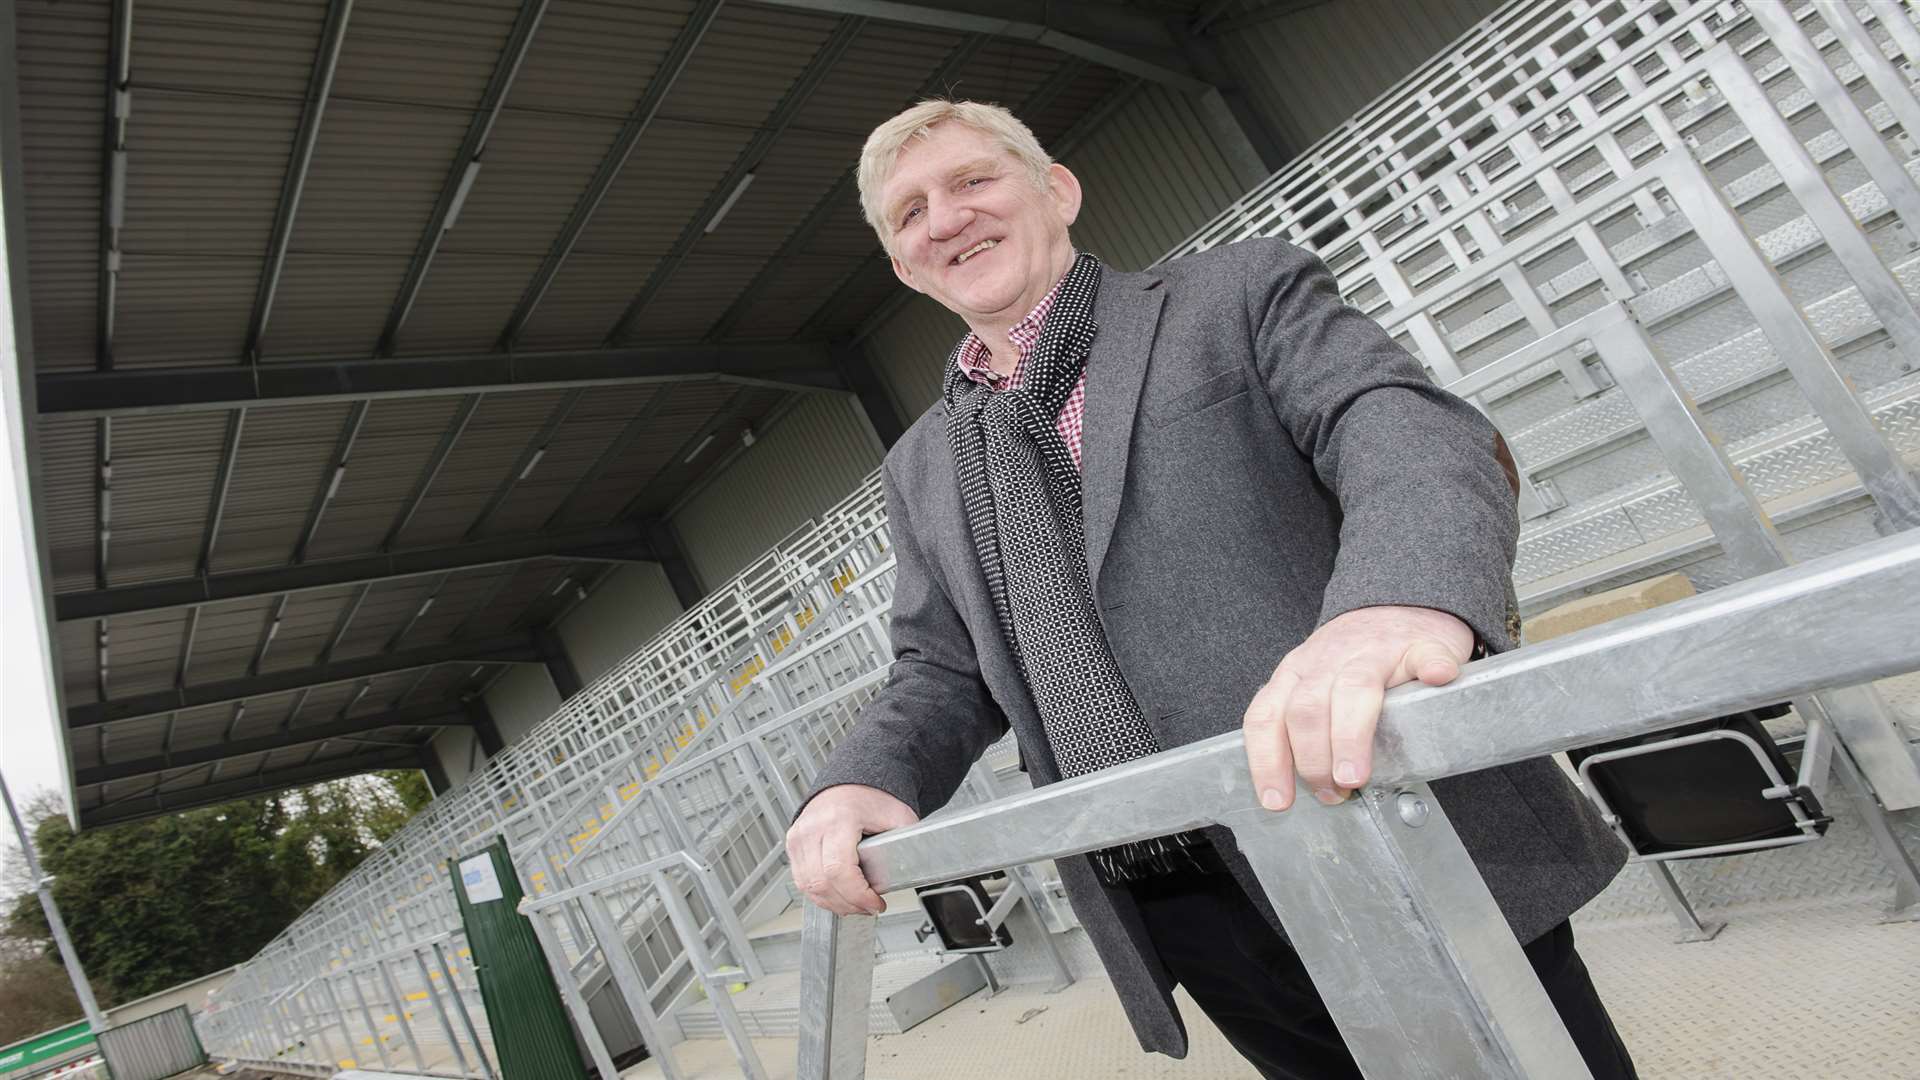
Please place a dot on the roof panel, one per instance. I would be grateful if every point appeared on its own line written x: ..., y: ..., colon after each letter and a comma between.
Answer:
x: 879, y: 75
x: 1006, y: 73
x: 537, y: 166
x: 466, y: 299
x: 176, y: 309
x: 792, y: 293
x: 164, y: 470
x: 589, y: 429
x: 746, y: 63
x: 331, y: 305
x: 251, y: 48
x: 696, y: 296
x: 78, y: 664
x: 526, y: 582
x: 62, y: 53
x: 377, y: 172
x: 397, y: 439
x: 143, y: 651
x: 68, y: 458
x: 658, y: 451
x: 204, y: 172
x: 228, y: 639
x: 800, y: 169
x: 196, y: 728
x: 306, y: 626
x: 594, y: 58
x: 586, y: 298
x: 389, y: 606
x: 284, y: 463
x: 430, y: 52
x: 750, y: 410
x: 674, y: 168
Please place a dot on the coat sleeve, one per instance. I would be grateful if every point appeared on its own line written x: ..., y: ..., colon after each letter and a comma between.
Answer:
x: 934, y: 716
x: 1427, y: 514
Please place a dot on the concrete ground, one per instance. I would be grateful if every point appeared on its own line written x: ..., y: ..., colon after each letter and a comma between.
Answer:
x: 1795, y: 992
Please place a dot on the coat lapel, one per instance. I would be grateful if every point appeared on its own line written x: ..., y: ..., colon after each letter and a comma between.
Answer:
x: 1127, y: 313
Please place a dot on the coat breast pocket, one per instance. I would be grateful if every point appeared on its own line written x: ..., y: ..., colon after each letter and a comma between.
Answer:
x: 1203, y: 395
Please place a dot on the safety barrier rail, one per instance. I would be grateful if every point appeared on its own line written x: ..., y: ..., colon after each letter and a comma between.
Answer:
x: 1422, y: 975
x: 362, y: 1012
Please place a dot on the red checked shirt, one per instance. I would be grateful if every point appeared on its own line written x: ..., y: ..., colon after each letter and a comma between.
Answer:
x: 976, y: 364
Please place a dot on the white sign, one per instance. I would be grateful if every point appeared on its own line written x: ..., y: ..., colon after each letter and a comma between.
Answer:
x: 481, y: 882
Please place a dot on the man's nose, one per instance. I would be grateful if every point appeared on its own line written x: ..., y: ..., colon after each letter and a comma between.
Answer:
x: 947, y: 218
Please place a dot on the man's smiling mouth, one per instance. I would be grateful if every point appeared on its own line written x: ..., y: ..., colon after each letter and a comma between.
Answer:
x: 976, y: 249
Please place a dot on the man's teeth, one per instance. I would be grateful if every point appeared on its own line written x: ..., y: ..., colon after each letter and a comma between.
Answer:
x: 976, y: 249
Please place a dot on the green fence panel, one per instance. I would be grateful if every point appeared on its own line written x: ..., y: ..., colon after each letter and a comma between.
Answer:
x: 60, y: 1042
x: 531, y: 1035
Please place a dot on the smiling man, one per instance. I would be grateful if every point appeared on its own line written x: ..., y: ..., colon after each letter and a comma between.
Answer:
x: 1149, y: 508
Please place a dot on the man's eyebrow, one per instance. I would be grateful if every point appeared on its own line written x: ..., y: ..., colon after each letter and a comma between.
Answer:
x: 897, y: 206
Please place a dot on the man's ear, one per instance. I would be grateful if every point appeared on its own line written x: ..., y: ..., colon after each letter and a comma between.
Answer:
x: 901, y: 271
x: 1065, y: 189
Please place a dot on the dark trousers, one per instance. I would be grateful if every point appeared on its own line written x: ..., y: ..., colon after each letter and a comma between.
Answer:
x: 1252, y: 985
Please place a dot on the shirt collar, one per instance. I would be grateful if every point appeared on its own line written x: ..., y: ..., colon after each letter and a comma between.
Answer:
x: 976, y: 362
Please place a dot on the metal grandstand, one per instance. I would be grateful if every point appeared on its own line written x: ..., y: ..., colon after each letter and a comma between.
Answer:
x: 1735, y: 184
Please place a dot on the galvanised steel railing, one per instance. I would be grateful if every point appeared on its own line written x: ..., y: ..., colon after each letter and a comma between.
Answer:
x: 1415, y: 962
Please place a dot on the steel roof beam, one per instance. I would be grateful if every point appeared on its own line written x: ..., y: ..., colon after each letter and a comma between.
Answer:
x: 330, y: 484
x: 153, y: 391
x: 1126, y: 39
x: 511, y: 648
x: 730, y: 186
x: 155, y: 802
x: 222, y: 484
x: 113, y: 176
x: 635, y: 428
x: 294, y: 183
x: 241, y: 584
x: 461, y: 417
x: 672, y: 65
x: 685, y: 454
x: 528, y: 460
x: 435, y: 714
x: 465, y: 171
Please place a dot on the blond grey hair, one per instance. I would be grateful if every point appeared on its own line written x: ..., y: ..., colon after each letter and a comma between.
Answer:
x: 882, y: 151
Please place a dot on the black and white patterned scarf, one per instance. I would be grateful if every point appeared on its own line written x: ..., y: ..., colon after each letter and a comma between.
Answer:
x: 1021, y: 491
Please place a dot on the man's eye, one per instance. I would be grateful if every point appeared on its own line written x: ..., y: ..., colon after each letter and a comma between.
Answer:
x: 978, y: 180
x: 910, y: 215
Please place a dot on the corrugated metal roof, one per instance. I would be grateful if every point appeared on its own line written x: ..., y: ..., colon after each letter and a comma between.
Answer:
x: 219, y: 92
x: 396, y: 440
x: 62, y: 53
x: 284, y: 464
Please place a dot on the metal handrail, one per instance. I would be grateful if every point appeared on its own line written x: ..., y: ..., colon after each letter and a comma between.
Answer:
x: 1343, y: 876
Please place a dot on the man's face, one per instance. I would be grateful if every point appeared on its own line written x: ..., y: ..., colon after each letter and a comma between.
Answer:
x: 970, y: 228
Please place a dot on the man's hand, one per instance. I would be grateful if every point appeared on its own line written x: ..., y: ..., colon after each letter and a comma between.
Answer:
x: 821, y: 843
x: 1316, y: 716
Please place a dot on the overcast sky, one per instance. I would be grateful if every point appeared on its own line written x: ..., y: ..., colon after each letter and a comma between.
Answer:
x: 27, y: 752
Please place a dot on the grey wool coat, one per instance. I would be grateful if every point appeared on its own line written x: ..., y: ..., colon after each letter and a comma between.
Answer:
x: 1258, y: 458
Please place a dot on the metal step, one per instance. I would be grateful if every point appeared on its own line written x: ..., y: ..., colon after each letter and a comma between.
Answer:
x: 906, y: 991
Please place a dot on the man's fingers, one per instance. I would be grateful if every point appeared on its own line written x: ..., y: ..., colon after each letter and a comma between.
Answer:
x: 1357, y: 692
x: 1430, y: 661
x: 841, y: 874
x: 1309, y: 722
x: 1269, y: 759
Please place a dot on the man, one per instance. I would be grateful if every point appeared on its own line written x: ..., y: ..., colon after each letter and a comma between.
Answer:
x: 1150, y: 506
